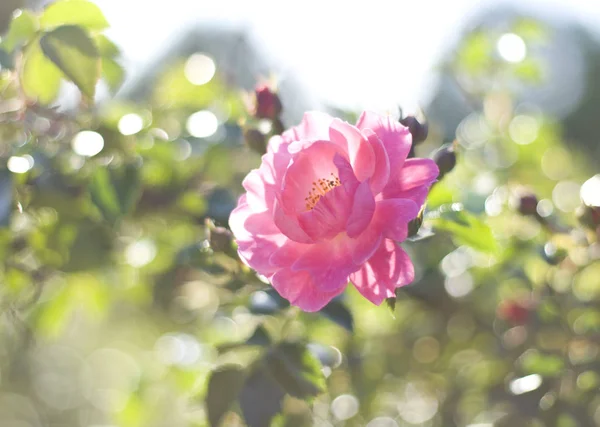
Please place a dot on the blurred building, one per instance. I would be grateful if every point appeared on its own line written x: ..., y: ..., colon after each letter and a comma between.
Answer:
x: 238, y: 57
x: 569, y: 57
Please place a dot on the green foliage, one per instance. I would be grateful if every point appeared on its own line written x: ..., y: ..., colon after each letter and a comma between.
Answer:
x: 21, y: 30
x: 465, y: 228
x: 73, y: 12
x: 71, y: 49
x: 119, y: 307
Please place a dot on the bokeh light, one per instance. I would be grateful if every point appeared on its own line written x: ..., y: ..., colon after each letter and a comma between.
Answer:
x: 511, y: 47
x: 87, y: 143
x: 130, y: 124
x: 199, y: 69
x: 20, y: 164
x: 202, y: 124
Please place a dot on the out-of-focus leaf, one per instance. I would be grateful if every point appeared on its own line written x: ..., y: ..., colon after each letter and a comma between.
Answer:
x: 224, y: 385
x: 6, y: 197
x: 529, y: 70
x: 337, y: 312
x: 440, y: 194
x: 106, y: 47
x: 90, y: 249
x: 40, y: 78
x: 476, y: 53
x: 112, y: 73
x: 267, y: 301
x: 534, y: 362
x: 75, y: 54
x: 260, y: 398
x: 259, y: 337
x: 465, y: 229
x: 296, y: 370
x: 530, y: 30
x: 22, y: 29
x: 73, y: 12
x: 115, y: 191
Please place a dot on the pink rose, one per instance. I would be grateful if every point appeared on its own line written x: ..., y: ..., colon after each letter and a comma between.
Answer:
x: 327, y: 205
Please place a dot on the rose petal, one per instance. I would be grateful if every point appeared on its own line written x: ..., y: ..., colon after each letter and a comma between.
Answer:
x: 396, y: 138
x: 300, y: 290
x: 363, y: 208
x: 288, y: 224
x: 360, y: 152
x: 382, y: 162
x: 394, y: 216
x: 389, y: 268
x: 328, y: 217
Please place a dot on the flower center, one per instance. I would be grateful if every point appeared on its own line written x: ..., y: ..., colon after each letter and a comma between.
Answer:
x: 319, y: 189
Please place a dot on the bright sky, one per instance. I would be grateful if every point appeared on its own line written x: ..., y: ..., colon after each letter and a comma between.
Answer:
x: 354, y: 54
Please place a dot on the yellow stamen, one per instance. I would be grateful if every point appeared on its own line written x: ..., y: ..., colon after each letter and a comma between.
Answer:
x: 319, y: 189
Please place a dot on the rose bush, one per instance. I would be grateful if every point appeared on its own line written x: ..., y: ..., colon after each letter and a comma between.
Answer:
x: 327, y: 206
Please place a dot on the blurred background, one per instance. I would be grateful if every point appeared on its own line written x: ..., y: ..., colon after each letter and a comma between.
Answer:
x: 121, y: 293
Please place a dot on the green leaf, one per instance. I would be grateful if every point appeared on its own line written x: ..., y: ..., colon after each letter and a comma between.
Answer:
x: 534, y: 362
x: 337, y: 312
x: 476, y: 53
x: 224, y: 385
x: 112, y: 73
x: 296, y: 369
x: 259, y: 337
x: 73, y: 12
x: 106, y: 47
x: 529, y: 70
x: 74, y: 52
x: 260, y: 398
x: 115, y: 191
x: 21, y: 30
x: 40, y: 78
x: 465, y: 228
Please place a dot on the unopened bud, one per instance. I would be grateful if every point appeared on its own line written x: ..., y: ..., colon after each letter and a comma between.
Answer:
x: 267, y: 103
x: 255, y: 140
x: 445, y: 158
x: 515, y: 312
x: 527, y: 204
x: 589, y: 216
x: 219, y: 238
x: 417, y: 129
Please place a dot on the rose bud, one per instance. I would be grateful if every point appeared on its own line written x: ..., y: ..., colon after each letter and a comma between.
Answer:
x: 267, y: 103
x: 515, y: 312
x: 219, y: 238
x: 589, y: 216
x: 445, y: 158
x: 255, y: 140
x: 527, y: 204
x: 417, y: 129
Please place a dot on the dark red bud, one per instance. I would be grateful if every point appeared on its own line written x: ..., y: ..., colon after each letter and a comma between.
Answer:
x: 515, y: 312
x: 445, y: 158
x: 589, y: 216
x: 528, y: 204
x: 220, y: 238
x: 417, y: 129
x: 267, y: 103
